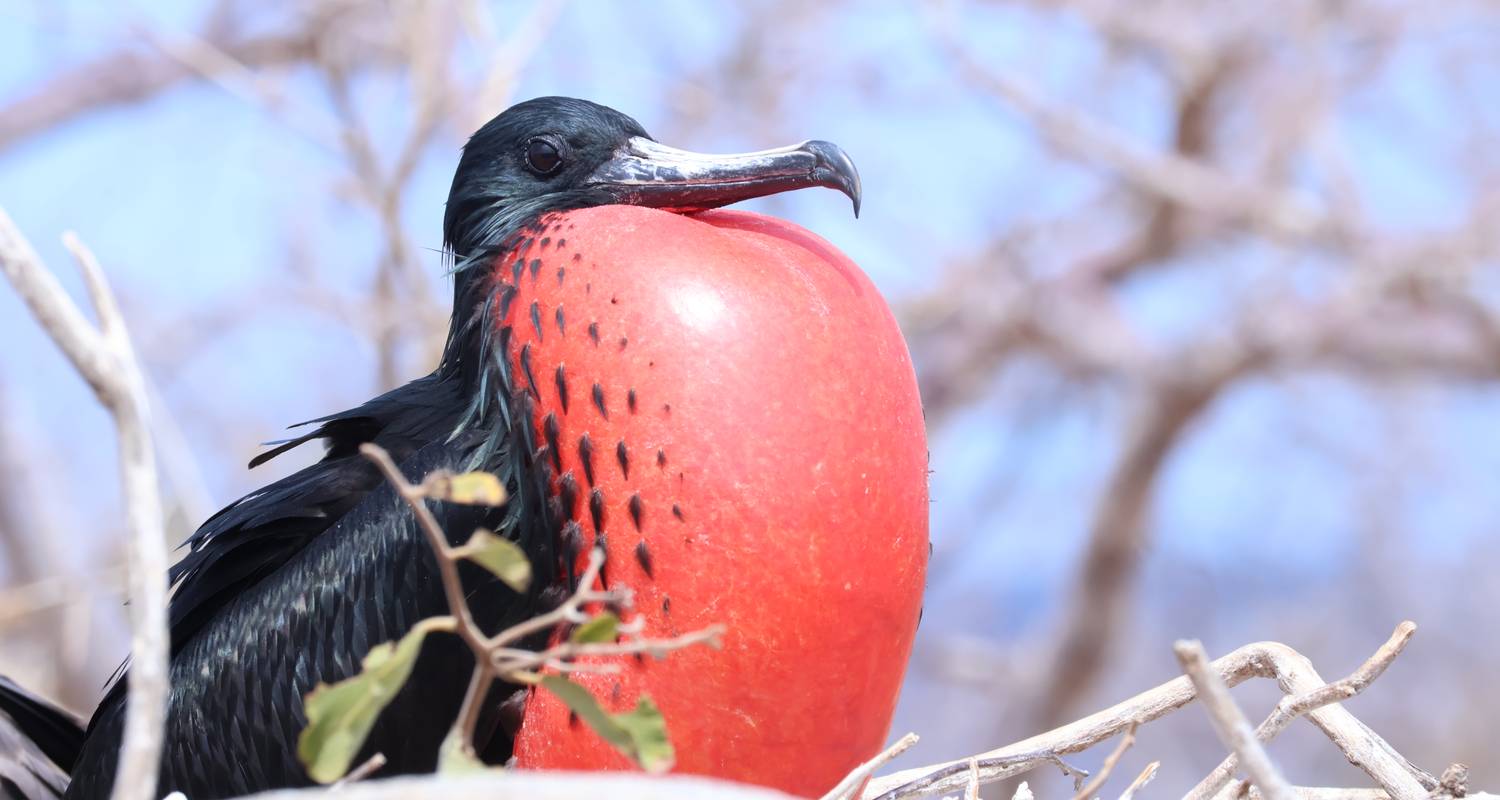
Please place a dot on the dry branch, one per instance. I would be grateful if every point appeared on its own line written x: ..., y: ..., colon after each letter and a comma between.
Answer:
x: 371, y: 766
x: 1147, y: 775
x: 1294, y: 706
x: 856, y: 776
x: 106, y: 360
x: 1182, y: 181
x: 1230, y: 722
x: 129, y: 76
x: 1292, y: 672
x: 1104, y: 772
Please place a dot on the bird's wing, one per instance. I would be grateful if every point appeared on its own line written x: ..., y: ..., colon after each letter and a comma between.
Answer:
x: 256, y: 534
x: 38, y: 744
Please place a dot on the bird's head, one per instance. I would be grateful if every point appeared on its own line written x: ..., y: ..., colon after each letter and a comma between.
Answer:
x: 560, y: 153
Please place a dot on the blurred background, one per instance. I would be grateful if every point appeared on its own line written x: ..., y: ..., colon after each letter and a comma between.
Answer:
x: 1203, y: 298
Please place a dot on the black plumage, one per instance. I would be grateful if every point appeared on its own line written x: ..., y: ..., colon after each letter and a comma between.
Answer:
x: 39, y: 743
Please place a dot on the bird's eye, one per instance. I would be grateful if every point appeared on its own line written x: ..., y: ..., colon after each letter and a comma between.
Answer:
x: 542, y: 156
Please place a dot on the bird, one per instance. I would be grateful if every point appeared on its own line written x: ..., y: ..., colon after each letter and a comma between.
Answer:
x: 38, y: 742
x: 291, y: 585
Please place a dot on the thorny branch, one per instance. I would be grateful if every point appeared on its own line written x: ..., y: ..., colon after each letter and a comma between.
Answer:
x: 104, y: 357
x: 494, y: 657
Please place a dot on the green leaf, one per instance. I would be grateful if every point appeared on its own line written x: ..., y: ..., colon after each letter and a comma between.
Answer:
x: 641, y: 734
x: 602, y: 628
x: 648, y: 732
x: 467, y: 488
x: 455, y: 759
x: 340, y: 715
x: 500, y: 556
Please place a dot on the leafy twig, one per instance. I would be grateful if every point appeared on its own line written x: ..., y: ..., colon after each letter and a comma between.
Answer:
x: 343, y: 713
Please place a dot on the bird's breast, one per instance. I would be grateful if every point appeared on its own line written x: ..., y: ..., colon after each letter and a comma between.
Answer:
x: 727, y: 406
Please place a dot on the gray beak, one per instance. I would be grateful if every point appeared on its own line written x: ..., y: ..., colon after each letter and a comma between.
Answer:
x: 648, y: 173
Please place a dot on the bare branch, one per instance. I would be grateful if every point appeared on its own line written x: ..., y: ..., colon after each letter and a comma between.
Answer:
x: 1294, y: 706
x: 105, y: 358
x: 1096, y: 782
x: 1147, y: 775
x: 856, y: 777
x: 1230, y: 723
x: 1177, y: 179
x: 1291, y: 670
x: 129, y: 76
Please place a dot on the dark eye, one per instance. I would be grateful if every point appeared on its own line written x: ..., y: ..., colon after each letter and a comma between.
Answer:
x: 542, y: 156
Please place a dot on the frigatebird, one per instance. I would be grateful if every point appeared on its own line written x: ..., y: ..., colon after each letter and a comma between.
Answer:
x: 292, y: 584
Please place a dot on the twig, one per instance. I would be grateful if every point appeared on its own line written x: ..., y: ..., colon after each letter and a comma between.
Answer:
x: 494, y: 657
x: 19, y: 602
x: 106, y: 360
x: 944, y: 777
x: 569, y: 611
x: 1292, y: 671
x: 1295, y: 706
x: 1186, y: 182
x: 453, y: 589
x: 510, y: 661
x: 1350, y: 793
x: 1455, y: 781
x: 1097, y: 782
x: 1147, y: 775
x: 857, y: 776
x: 127, y: 76
x: 510, y: 57
x: 383, y: 194
x: 1230, y: 722
x: 416, y: 498
x: 359, y: 773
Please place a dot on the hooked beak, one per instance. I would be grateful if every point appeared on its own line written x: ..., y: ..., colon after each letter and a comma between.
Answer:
x: 648, y: 173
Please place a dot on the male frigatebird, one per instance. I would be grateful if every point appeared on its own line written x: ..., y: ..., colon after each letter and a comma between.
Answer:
x: 292, y: 584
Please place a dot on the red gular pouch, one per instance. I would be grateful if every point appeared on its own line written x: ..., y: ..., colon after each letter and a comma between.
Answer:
x: 730, y: 408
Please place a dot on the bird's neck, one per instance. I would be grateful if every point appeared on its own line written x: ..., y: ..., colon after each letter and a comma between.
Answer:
x: 471, y: 334
x: 489, y: 242
x: 489, y: 250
